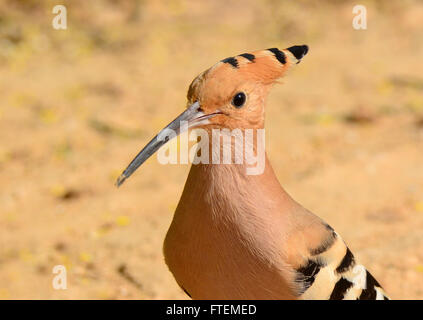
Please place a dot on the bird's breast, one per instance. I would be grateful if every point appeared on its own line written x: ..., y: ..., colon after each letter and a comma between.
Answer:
x: 217, y: 247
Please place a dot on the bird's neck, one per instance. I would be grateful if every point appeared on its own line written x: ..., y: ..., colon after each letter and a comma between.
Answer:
x: 228, y: 222
x: 229, y: 190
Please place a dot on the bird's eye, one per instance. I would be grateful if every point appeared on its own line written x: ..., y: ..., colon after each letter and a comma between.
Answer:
x: 239, y: 99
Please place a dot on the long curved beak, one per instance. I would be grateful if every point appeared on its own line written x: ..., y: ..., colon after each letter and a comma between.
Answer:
x: 193, y: 116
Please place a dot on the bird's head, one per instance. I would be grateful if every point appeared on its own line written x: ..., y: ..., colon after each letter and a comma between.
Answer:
x: 230, y: 94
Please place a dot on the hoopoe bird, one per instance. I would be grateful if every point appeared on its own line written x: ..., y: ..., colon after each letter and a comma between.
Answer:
x: 241, y: 236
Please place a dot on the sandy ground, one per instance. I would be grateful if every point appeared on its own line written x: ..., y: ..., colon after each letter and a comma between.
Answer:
x: 344, y: 134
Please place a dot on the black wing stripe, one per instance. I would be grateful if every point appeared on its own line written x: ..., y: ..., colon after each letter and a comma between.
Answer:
x: 370, y: 292
x: 346, y: 263
x: 307, y: 274
x: 341, y: 287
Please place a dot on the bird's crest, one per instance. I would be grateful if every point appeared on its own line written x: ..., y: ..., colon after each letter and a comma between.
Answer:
x: 263, y: 66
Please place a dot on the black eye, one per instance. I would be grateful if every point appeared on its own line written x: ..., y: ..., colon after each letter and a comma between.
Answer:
x: 239, y: 99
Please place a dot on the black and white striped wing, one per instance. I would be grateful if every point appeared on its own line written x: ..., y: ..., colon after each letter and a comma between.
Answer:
x: 331, y: 272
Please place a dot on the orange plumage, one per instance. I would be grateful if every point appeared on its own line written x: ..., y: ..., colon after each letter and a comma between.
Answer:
x: 240, y: 236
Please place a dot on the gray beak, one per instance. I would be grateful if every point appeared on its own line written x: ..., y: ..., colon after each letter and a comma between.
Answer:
x: 193, y: 116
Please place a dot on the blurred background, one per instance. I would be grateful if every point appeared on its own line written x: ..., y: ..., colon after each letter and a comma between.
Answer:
x: 344, y: 133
